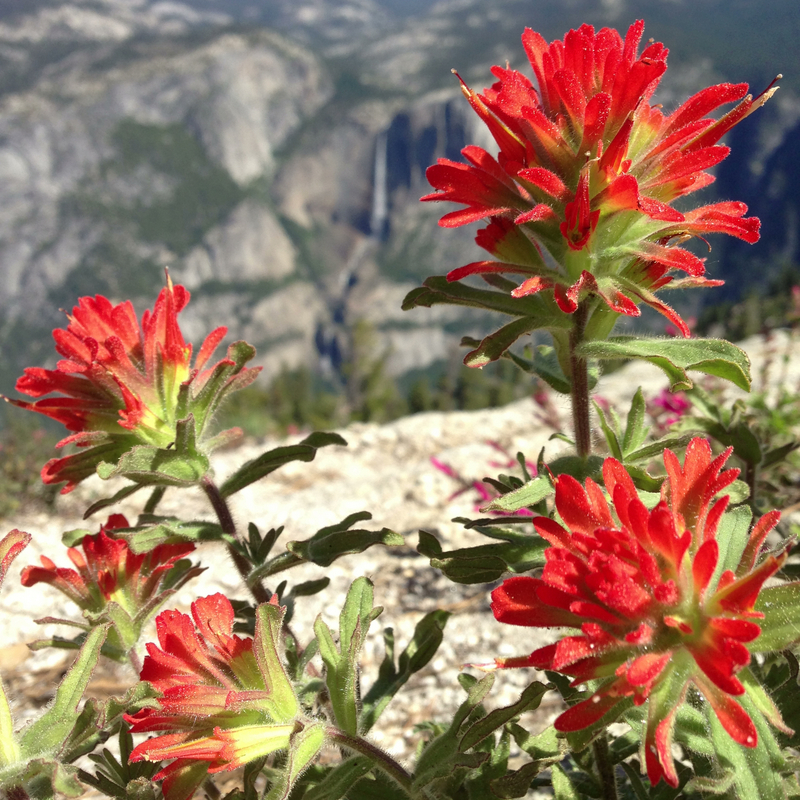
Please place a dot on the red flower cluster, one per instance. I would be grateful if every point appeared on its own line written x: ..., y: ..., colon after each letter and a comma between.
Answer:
x: 225, y: 701
x: 587, y: 169
x: 120, y: 384
x: 655, y: 608
x: 109, y: 571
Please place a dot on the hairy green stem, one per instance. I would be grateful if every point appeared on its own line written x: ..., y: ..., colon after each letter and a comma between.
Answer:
x: 228, y: 526
x: 135, y: 661
x: 154, y: 499
x: 579, y: 379
x: 605, y: 769
x: 381, y: 759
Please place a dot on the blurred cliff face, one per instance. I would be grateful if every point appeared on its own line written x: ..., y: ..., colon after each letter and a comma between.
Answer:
x: 272, y: 155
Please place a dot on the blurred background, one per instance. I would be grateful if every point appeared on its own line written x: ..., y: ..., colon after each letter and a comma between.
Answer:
x: 272, y: 154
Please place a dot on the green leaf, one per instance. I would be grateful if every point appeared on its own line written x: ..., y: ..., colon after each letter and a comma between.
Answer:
x: 529, y: 494
x: 756, y: 770
x: 738, y: 436
x: 171, y: 531
x: 262, y: 466
x: 74, y: 538
x: 676, y: 356
x: 563, y: 788
x: 46, y: 734
x: 484, y: 727
x: 516, y: 783
x: 428, y: 635
x: 636, y: 429
x: 495, y: 344
x: 546, y: 365
x: 485, y: 563
x: 336, y: 783
x: 655, y: 449
x: 436, y: 290
x: 732, y: 537
x: 544, y: 748
x: 442, y: 758
x: 341, y: 664
x: 155, y: 466
x: 612, y: 440
x: 304, y: 746
x: 579, y: 468
x: 106, y: 502
x: 328, y: 544
x: 780, y: 606
x: 267, y: 647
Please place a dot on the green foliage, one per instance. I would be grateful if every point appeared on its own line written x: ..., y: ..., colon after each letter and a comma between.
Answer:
x: 24, y: 448
x: 201, y: 194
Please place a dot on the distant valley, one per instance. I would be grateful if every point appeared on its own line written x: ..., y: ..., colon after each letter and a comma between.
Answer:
x: 272, y: 155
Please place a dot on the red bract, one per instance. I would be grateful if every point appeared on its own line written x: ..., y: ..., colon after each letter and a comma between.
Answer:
x: 587, y: 169
x: 122, y: 384
x: 109, y: 571
x: 225, y: 699
x: 643, y: 588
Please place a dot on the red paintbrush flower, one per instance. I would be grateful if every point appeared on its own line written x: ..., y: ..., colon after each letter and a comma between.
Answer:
x: 122, y: 384
x: 226, y: 700
x: 587, y: 169
x: 111, y: 582
x: 656, y: 609
x: 109, y: 571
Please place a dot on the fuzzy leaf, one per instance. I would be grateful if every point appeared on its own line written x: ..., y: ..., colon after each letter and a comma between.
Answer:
x: 675, y: 356
x: 106, y: 502
x: 636, y: 428
x: 443, y: 757
x: 46, y: 734
x: 155, y: 466
x: 732, y: 536
x: 437, y: 290
x: 485, y: 563
x: 528, y: 701
x: 529, y: 494
x: 304, y: 745
x: 781, y: 608
x: 267, y: 648
x: 428, y: 635
x: 328, y: 544
x: 262, y: 466
x: 495, y: 344
x: 171, y: 531
x: 340, y: 779
x: 341, y: 664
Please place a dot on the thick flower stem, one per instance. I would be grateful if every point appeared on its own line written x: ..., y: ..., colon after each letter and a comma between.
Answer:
x: 605, y: 768
x: 225, y: 518
x: 381, y: 759
x: 579, y: 378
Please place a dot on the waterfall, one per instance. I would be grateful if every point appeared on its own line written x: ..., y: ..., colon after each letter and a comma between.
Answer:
x: 380, y: 196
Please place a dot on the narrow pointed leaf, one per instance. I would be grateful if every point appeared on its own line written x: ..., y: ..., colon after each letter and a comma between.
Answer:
x: 47, y: 733
x: 529, y: 494
x: 636, y: 429
x: 342, y: 777
x: 495, y: 344
x: 262, y: 466
x: 428, y: 635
